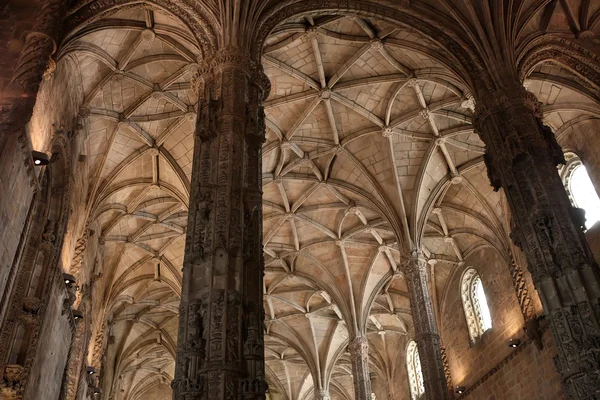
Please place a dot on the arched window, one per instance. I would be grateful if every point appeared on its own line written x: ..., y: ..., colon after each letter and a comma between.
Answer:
x: 415, y: 375
x: 475, y: 304
x: 580, y: 188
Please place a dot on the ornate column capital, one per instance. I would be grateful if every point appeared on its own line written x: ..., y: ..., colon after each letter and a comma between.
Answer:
x: 503, y: 100
x: 413, y: 263
x: 226, y: 58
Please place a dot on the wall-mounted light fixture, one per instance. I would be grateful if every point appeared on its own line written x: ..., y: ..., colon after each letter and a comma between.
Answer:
x: 97, y: 390
x: 40, y: 158
x: 514, y: 343
x: 91, y: 370
x: 460, y: 389
x: 77, y: 315
x: 69, y: 279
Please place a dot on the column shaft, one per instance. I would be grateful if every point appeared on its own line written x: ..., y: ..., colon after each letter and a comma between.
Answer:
x: 521, y: 157
x: 322, y: 394
x: 220, y: 343
x: 359, y: 354
x: 426, y: 333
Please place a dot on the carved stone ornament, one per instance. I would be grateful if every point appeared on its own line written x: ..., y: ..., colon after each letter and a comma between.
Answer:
x: 12, y: 382
x: 220, y: 349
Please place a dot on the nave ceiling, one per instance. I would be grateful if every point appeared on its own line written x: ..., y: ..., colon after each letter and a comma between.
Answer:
x: 369, y: 147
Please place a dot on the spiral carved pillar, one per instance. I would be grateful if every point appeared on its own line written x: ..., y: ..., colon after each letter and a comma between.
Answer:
x: 426, y: 333
x: 521, y: 156
x: 220, y: 351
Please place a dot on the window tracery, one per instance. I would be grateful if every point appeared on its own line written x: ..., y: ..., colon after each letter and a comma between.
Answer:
x: 415, y: 374
x: 477, y: 313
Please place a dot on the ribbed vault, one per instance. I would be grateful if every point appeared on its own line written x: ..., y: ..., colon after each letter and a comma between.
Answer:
x: 370, y: 151
x: 136, y: 69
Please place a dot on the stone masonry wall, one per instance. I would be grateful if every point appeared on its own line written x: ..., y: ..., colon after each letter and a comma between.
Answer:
x: 469, y: 363
x: 46, y: 374
x: 529, y: 375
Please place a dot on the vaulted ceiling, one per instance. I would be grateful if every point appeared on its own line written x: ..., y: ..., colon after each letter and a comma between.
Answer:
x: 369, y: 147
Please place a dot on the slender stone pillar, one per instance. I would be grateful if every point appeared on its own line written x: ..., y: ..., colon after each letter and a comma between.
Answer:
x: 426, y: 333
x: 17, y: 100
x: 521, y: 156
x: 359, y: 354
x: 220, y: 349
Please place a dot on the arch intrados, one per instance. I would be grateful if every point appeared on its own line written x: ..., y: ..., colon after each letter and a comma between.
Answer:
x: 99, y: 9
x: 295, y: 345
x: 118, y: 290
x: 573, y: 57
x: 284, y: 11
x: 133, y: 25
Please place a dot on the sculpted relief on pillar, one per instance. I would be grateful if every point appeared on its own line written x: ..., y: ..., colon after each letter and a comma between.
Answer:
x: 220, y: 345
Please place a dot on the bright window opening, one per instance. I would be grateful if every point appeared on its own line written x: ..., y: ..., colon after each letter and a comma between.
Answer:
x: 477, y: 312
x: 415, y: 375
x: 584, y: 195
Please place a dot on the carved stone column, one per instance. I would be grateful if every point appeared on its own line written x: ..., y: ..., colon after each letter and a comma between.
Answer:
x: 220, y: 351
x: 321, y: 394
x: 359, y: 354
x: 35, y: 62
x: 426, y: 333
x: 521, y: 157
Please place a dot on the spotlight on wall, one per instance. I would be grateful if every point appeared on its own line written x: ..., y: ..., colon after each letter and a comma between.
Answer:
x: 460, y: 389
x: 514, y: 343
x: 40, y: 158
x: 91, y: 370
x: 77, y: 315
x: 97, y: 390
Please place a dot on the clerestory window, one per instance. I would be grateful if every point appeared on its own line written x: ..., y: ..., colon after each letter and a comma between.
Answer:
x: 415, y: 375
x: 477, y: 312
x: 580, y: 188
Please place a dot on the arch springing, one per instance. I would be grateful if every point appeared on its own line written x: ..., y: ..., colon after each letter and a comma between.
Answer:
x: 477, y: 312
x: 415, y: 374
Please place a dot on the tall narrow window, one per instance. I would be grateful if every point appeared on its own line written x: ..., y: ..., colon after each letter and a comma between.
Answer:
x: 580, y: 188
x: 475, y: 304
x: 415, y: 375
x: 584, y: 195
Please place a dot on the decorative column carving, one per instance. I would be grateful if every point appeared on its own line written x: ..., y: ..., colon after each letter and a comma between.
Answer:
x: 34, y: 63
x: 426, y: 333
x: 359, y: 354
x: 521, y: 157
x: 321, y: 394
x: 220, y: 351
